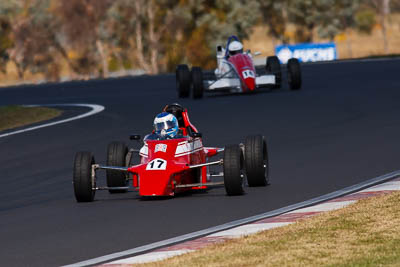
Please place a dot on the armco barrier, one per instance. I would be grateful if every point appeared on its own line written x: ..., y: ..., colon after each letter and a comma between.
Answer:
x: 307, y: 52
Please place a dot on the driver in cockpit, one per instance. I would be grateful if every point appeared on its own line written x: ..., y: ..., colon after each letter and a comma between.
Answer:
x: 165, y: 127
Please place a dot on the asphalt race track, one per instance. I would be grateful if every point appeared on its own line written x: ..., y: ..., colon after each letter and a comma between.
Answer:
x: 342, y: 128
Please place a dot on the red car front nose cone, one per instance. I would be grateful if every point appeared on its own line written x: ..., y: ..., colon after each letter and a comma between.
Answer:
x: 250, y: 83
x: 155, y: 183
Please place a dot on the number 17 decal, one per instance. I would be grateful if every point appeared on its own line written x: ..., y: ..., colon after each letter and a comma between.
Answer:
x: 157, y: 164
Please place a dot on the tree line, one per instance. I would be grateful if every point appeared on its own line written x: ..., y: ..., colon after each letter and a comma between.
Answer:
x: 95, y: 37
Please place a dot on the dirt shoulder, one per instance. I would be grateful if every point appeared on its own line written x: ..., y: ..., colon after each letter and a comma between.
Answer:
x: 17, y: 116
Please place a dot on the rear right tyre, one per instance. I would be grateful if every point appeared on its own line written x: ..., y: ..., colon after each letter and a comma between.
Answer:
x: 183, y: 80
x: 82, y: 177
x: 233, y: 170
x: 116, y: 156
x: 197, y: 82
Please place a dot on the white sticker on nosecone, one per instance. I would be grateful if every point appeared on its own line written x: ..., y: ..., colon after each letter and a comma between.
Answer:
x: 248, y: 74
x: 160, y: 147
x: 157, y: 164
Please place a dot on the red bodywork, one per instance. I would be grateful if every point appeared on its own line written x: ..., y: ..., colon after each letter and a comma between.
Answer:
x: 244, y: 67
x: 165, y: 164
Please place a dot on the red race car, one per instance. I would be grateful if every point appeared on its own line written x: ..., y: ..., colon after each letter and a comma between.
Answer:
x: 170, y: 165
x: 236, y: 73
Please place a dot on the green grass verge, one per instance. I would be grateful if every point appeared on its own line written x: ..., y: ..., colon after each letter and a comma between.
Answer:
x: 366, y: 233
x: 17, y: 116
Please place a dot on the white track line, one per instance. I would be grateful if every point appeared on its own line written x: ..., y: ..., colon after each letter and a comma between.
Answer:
x: 95, y: 109
x: 248, y: 229
x: 328, y: 206
x: 152, y: 256
x: 393, y: 185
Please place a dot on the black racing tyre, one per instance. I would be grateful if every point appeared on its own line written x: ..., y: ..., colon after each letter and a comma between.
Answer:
x: 233, y: 170
x: 197, y: 82
x: 116, y: 156
x: 82, y: 177
x: 273, y: 66
x: 294, y: 74
x: 256, y: 161
x: 183, y: 80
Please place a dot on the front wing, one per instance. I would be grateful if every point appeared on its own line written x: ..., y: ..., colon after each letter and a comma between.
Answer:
x: 234, y: 84
x: 162, y: 187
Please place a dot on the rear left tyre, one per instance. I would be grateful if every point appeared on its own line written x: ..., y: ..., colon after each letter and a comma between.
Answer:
x: 256, y: 161
x: 82, y: 177
x: 294, y: 74
x: 183, y: 80
x: 233, y: 170
x: 197, y: 82
x: 116, y: 156
x: 273, y: 66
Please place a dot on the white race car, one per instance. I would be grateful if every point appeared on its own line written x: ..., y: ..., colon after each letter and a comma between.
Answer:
x: 236, y: 73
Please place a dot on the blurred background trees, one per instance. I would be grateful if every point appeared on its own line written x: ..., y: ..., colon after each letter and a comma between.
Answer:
x: 92, y: 38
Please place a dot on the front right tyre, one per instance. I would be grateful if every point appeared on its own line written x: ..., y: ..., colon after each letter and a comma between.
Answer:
x: 82, y: 178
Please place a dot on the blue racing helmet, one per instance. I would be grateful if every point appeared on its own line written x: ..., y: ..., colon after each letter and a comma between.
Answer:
x: 166, y: 125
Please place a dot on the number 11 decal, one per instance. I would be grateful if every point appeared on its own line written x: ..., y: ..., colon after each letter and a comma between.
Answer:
x: 248, y: 74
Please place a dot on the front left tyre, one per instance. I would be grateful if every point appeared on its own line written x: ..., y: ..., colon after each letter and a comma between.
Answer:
x: 233, y: 170
x: 116, y: 156
x: 183, y: 80
x: 82, y: 178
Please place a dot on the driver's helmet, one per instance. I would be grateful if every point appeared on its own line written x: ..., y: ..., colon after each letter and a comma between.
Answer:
x: 235, y: 47
x: 166, y: 125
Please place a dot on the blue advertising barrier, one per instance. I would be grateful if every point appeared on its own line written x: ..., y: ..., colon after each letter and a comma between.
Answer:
x: 306, y: 52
